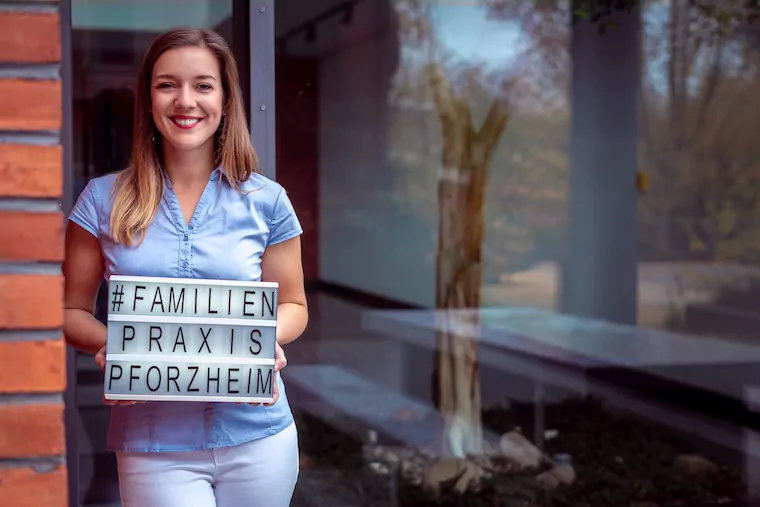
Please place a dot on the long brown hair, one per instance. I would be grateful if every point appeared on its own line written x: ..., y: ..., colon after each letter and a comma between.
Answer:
x: 140, y: 187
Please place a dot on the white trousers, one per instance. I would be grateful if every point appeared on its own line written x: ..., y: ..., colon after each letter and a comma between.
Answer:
x: 258, y: 473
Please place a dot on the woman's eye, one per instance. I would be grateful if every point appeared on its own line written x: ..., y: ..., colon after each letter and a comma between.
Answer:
x: 165, y: 85
x: 204, y: 86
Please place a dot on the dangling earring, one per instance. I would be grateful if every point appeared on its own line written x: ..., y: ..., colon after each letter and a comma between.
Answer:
x: 221, y: 128
x: 153, y: 136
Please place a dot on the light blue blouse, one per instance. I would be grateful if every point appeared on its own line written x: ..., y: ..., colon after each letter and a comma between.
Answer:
x: 225, y: 239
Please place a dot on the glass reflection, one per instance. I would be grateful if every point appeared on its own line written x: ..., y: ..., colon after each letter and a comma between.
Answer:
x: 431, y: 149
x: 699, y: 220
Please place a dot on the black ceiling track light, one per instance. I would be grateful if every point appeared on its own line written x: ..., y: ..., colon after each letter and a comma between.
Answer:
x: 344, y: 11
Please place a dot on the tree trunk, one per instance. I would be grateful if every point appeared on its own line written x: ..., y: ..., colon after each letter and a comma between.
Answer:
x: 467, y: 154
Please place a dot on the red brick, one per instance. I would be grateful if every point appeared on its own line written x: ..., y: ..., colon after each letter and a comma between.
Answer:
x: 34, y: 301
x: 31, y: 171
x: 31, y: 301
x: 31, y: 236
x: 30, y: 37
x: 30, y: 105
x: 32, y: 430
x: 33, y: 366
x: 23, y: 487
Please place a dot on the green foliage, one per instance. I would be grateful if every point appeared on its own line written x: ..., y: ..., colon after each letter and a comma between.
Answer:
x: 700, y: 101
x: 600, y: 11
x: 698, y: 143
x: 723, y: 14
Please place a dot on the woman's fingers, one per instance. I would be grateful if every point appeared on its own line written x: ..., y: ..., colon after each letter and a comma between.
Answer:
x: 280, y: 360
x: 100, y: 358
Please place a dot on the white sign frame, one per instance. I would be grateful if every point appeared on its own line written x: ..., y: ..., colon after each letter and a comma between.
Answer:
x: 139, y: 340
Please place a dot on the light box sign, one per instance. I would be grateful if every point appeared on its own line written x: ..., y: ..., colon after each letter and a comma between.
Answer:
x: 177, y: 339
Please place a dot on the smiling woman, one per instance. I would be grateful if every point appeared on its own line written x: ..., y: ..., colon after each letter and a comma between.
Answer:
x: 190, y: 119
x: 108, y: 41
x: 187, y: 106
x: 191, y: 204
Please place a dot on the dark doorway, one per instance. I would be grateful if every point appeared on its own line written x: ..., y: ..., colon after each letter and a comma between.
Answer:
x: 297, y: 127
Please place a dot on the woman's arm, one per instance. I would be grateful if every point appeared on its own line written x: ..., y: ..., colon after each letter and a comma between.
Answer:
x: 282, y: 263
x: 83, y: 274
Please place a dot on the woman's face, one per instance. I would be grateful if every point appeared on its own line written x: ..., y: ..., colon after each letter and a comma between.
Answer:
x: 187, y: 98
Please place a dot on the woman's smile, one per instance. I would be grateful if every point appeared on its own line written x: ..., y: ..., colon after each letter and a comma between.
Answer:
x: 185, y: 122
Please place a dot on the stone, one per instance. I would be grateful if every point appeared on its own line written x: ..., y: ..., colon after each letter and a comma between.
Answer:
x: 693, y: 464
x: 559, y: 474
x: 464, y: 473
x: 514, y: 446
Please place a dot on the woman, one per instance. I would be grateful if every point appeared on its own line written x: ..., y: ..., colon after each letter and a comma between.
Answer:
x: 191, y: 204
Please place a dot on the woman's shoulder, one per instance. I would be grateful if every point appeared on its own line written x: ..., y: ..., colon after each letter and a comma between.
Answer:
x: 92, y: 206
x: 96, y: 193
x: 262, y: 189
x: 270, y: 199
x: 103, y: 185
x: 258, y: 181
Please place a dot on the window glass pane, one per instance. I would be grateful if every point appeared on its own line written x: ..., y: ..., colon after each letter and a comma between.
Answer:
x: 525, y: 348
x: 387, y: 111
x: 699, y: 223
x: 109, y: 38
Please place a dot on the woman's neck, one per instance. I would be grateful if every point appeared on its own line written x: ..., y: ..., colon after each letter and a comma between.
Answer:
x: 188, y: 168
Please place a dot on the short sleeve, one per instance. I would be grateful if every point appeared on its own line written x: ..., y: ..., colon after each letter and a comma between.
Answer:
x: 85, y: 211
x: 284, y: 223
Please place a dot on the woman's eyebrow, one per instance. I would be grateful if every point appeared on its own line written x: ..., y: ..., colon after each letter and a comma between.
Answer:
x: 206, y: 77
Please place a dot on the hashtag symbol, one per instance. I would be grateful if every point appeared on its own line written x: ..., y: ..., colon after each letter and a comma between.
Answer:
x: 118, y: 298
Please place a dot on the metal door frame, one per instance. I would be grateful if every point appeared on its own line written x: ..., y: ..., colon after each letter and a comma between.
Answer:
x: 261, y: 26
x: 67, y: 146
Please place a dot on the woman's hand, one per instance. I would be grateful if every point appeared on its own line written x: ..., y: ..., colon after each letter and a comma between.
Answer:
x: 280, y: 361
x: 100, y: 358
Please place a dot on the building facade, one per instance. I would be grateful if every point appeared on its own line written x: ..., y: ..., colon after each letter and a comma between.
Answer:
x: 617, y: 205
x: 32, y: 350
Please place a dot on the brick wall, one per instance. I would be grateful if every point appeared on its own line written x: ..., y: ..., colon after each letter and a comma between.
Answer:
x: 32, y: 351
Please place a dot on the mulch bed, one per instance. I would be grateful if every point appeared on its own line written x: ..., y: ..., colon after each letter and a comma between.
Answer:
x: 619, y: 462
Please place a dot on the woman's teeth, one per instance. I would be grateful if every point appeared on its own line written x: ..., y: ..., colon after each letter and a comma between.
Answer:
x: 186, y: 122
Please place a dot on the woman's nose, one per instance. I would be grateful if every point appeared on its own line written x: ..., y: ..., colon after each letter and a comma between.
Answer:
x: 184, y: 99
